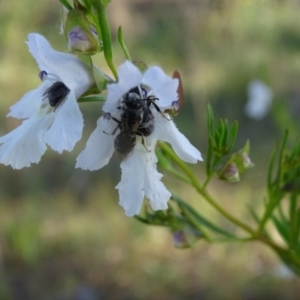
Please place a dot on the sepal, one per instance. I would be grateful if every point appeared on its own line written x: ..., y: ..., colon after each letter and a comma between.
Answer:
x: 81, y: 33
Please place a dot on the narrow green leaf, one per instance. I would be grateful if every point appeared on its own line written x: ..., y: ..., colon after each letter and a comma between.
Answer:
x: 66, y: 4
x: 283, y: 229
x: 280, y: 159
x: 210, y: 119
x: 87, y: 4
x: 92, y: 99
x: 221, y: 129
x: 229, y: 240
x: 209, y: 153
x: 281, y: 214
x: 220, y: 126
x: 106, y: 35
x: 122, y: 44
x: 293, y: 220
x: 297, y: 233
x: 217, y: 140
x: 198, y: 218
x: 273, y: 202
x: 225, y: 135
x: 141, y: 219
x: 233, y: 134
x: 254, y: 214
x: 271, y: 167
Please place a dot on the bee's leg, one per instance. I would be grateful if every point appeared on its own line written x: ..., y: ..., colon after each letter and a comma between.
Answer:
x: 143, y: 140
x: 118, y: 127
x: 158, y: 109
x: 116, y: 120
x: 145, y: 125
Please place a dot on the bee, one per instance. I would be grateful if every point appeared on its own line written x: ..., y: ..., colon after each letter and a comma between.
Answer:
x: 136, y: 119
x: 56, y: 93
x: 129, y: 124
x: 132, y: 114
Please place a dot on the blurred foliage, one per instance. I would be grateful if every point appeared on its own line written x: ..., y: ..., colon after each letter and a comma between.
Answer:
x: 62, y: 236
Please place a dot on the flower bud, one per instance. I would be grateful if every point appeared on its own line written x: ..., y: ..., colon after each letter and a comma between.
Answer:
x: 185, y: 237
x: 80, y: 40
x: 230, y: 173
x: 179, y: 239
x: 247, y: 163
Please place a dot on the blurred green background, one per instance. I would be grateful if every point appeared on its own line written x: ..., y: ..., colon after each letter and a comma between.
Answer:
x: 63, y: 234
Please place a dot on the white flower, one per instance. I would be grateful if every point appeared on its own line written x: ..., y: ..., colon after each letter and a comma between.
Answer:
x: 139, y: 175
x: 65, y: 78
x: 259, y: 100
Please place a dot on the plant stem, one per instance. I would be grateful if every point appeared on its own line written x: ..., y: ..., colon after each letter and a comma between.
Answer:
x: 289, y: 257
x: 206, y: 182
x: 106, y: 36
x: 201, y: 191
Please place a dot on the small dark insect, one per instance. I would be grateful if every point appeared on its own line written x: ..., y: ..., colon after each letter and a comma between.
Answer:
x: 56, y: 93
x: 136, y: 119
x: 132, y: 115
x: 126, y: 139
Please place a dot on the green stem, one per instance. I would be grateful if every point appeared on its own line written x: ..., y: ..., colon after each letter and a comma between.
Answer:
x: 287, y: 256
x: 106, y: 36
x: 201, y: 191
x: 91, y: 99
x: 231, y: 218
x: 206, y: 182
x: 122, y: 43
x: 178, y: 175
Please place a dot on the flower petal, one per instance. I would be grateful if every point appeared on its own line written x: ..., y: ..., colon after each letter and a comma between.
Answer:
x: 140, y: 178
x: 30, y: 103
x: 99, y: 147
x: 129, y: 77
x: 163, y: 86
x: 259, y: 100
x: 67, y: 126
x: 167, y: 131
x: 24, y: 145
x: 71, y: 70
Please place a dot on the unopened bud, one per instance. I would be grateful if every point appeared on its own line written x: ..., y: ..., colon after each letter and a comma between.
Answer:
x: 80, y: 40
x: 186, y: 237
x: 179, y: 240
x: 247, y: 163
x: 230, y: 173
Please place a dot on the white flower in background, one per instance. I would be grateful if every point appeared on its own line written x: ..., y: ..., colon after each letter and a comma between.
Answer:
x: 139, y: 175
x: 282, y: 271
x: 259, y: 100
x: 50, y: 112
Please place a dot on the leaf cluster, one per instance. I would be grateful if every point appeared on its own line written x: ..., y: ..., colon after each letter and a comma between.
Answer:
x: 219, y: 157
